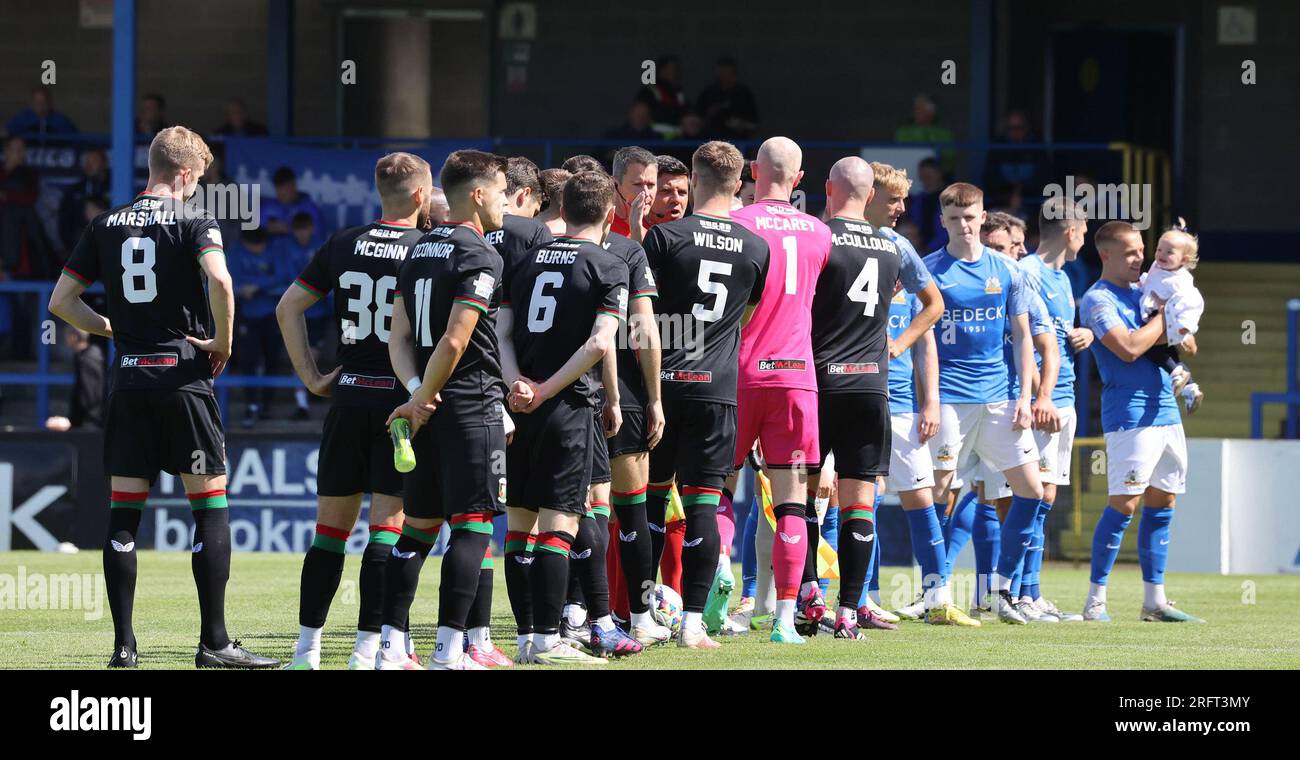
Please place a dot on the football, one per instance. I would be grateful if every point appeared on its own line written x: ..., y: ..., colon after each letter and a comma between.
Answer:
x: 667, y: 609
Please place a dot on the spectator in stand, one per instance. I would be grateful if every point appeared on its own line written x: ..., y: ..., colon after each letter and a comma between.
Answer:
x: 691, y: 128
x: 664, y: 97
x: 923, y: 206
x: 260, y: 278
x: 237, y: 123
x: 93, y: 182
x: 924, y: 128
x: 279, y: 211
x: 24, y: 252
x: 40, y: 118
x: 1015, y: 177
x: 672, y: 192
x: 728, y: 106
x: 152, y: 116
x: 86, y: 407
x: 297, y: 248
x: 637, y: 127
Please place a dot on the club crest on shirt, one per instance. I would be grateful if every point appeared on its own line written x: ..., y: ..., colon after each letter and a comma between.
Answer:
x: 900, y: 297
x: 992, y: 285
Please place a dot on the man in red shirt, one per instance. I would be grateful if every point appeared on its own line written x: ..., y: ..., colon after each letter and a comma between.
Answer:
x: 636, y: 173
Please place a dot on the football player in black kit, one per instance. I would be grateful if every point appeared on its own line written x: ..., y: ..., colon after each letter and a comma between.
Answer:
x: 559, y: 315
x: 851, y: 351
x: 361, y: 265
x: 153, y: 255
x: 443, y: 335
x: 711, y: 273
x: 520, y: 232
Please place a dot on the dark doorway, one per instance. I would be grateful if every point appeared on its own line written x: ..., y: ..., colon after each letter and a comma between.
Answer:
x: 426, y: 73
x: 1114, y: 85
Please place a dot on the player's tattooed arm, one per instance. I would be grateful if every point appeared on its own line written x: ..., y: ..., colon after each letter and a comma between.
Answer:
x: 1046, y: 417
x: 925, y: 357
x: 1024, y: 357
x: 221, y: 298
x: 932, y: 309
x: 289, y: 312
x: 645, y: 338
x: 600, y: 341
x: 66, y: 304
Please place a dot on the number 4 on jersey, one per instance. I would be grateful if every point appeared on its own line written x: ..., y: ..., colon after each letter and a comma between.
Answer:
x: 866, y: 288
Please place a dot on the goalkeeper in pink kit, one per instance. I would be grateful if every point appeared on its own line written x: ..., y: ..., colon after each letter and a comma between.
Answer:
x: 777, y: 390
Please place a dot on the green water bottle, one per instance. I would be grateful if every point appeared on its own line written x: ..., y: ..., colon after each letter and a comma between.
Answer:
x: 403, y: 454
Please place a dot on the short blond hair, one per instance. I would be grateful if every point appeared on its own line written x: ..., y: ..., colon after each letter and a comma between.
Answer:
x: 891, y: 178
x: 397, y: 175
x: 177, y: 148
x: 1191, y: 245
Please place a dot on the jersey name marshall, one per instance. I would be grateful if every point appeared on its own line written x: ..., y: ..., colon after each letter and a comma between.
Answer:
x: 141, y: 218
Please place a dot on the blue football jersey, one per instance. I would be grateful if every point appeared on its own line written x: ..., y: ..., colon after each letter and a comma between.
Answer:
x: 1053, y: 287
x: 1040, y: 323
x: 902, y: 394
x: 979, y: 297
x: 1133, y: 394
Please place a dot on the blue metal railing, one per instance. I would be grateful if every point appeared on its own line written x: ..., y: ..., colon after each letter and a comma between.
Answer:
x: 1292, y: 395
x: 43, y: 379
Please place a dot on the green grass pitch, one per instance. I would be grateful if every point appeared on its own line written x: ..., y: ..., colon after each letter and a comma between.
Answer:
x: 1251, y: 623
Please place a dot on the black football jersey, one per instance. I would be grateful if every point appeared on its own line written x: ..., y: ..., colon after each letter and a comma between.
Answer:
x: 850, y: 309
x: 518, y: 235
x: 556, y: 293
x: 147, y: 255
x: 708, y: 269
x: 361, y: 263
x: 454, y: 264
x: 641, y: 284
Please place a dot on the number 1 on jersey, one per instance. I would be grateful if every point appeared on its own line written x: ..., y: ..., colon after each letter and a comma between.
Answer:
x: 791, y: 247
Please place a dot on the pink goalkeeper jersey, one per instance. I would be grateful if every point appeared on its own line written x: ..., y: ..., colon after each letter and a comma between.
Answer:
x: 776, y: 345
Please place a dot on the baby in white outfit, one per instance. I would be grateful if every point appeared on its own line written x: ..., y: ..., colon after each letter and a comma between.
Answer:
x: 1169, y: 281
